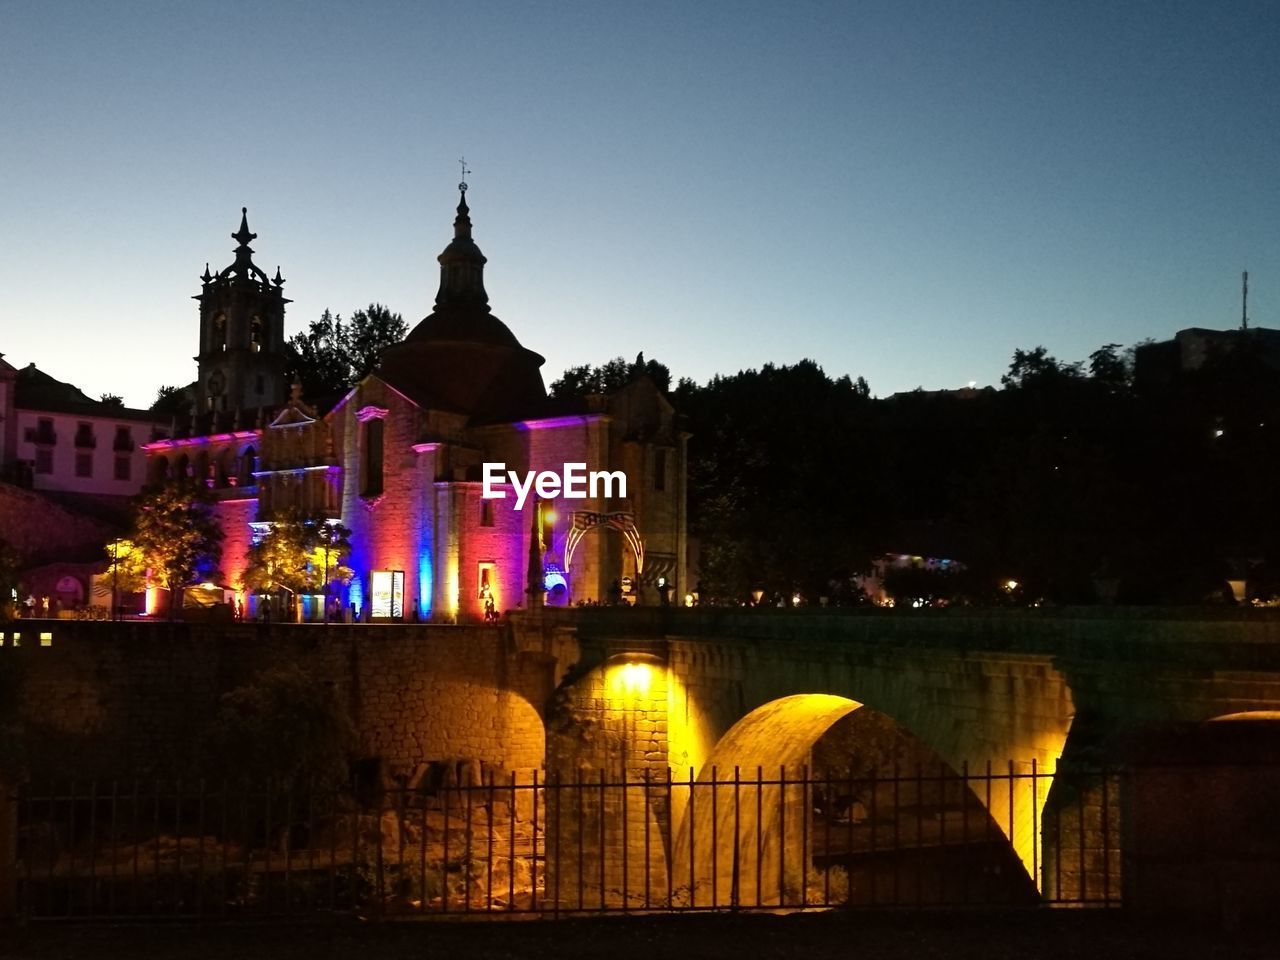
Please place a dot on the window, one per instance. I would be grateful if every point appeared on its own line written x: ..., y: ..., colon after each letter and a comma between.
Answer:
x: 487, y: 590
x: 84, y: 436
x: 124, y: 467
x: 371, y: 458
x: 660, y: 470
x: 486, y: 513
x: 84, y: 464
x: 255, y: 334
x: 123, y: 442
x: 44, y: 461
x: 44, y: 432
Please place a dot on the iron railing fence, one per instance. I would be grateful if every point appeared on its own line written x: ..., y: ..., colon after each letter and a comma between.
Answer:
x: 748, y: 839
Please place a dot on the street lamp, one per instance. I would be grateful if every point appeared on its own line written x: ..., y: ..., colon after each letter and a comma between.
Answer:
x: 115, y: 580
x: 324, y: 584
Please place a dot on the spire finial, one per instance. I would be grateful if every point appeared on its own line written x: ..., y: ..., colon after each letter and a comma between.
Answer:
x: 462, y: 184
x: 243, y: 236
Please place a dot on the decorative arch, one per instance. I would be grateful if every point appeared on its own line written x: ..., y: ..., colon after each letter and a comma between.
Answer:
x: 581, y: 521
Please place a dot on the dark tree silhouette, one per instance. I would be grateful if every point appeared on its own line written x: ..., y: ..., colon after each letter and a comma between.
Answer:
x: 333, y: 355
x: 1079, y: 481
x: 617, y: 373
x: 169, y: 402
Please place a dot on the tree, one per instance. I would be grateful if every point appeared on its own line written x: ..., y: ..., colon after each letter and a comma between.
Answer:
x: 585, y: 380
x: 332, y: 355
x: 370, y: 332
x: 127, y: 568
x: 169, y: 402
x: 777, y: 479
x: 330, y: 544
x: 298, y: 554
x: 1035, y: 367
x: 112, y: 400
x: 1110, y: 367
x: 320, y: 361
x: 8, y: 579
x: 176, y: 537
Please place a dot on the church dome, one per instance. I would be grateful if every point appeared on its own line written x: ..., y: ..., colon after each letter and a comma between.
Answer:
x: 461, y: 357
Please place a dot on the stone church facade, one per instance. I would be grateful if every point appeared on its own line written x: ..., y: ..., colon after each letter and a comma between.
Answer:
x: 399, y: 459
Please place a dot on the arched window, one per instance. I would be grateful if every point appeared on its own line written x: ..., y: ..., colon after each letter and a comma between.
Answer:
x: 248, y: 464
x: 220, y: 332
x: 256, y: 334
x: 371, y: 458
x: 158, y: 470
x: 222, y: 475
x: 200, y: 467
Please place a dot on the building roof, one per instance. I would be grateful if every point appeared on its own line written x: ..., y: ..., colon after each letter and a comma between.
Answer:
x: 35, y: 390
x: 461, y: 357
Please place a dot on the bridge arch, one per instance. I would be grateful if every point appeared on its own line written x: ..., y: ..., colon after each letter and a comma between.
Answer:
x: 748, y: 832
x: 1011, y: 711
x: 708, y: 706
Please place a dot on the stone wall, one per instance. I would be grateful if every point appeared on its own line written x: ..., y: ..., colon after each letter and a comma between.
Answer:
x: 112, y: 700
x: 41, y: 530
x: 608, y: 742
x: 1081, y: 837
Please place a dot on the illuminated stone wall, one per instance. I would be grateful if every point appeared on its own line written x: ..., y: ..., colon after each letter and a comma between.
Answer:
x: 234, y: 517
x: 387, y: 526
x: 646, y: 441
x: 610, y: 735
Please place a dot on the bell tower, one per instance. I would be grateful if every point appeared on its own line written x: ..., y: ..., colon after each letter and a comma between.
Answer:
x: 242, y: 346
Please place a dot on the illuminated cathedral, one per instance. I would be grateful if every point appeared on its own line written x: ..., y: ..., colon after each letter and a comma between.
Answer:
x: 399, y: 458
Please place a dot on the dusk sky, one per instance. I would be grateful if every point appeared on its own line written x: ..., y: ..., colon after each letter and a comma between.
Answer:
x: 903, y: 191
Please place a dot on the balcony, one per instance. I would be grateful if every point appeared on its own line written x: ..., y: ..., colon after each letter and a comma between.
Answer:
x: 44, y: 436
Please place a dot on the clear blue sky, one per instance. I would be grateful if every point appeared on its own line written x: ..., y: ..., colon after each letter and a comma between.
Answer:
x: 906, y: 191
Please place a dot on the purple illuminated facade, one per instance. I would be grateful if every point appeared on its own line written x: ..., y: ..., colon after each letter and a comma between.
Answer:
x: 399, y: 458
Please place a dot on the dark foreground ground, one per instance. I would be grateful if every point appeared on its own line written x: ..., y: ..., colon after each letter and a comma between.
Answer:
x: 1029, y: 935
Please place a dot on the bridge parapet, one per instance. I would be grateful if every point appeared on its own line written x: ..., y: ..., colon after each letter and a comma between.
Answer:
x: 1219, y: 638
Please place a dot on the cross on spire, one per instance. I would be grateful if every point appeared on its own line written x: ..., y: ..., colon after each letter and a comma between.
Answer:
x: 462, y: 184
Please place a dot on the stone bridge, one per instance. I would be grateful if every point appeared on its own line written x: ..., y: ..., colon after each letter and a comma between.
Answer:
x: 625, y: 695
x: 714, y: 690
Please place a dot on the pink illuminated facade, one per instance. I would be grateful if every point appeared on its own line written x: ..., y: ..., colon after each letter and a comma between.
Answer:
x: 399, y: 459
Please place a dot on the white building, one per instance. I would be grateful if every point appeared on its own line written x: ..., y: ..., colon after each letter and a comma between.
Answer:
x: 55, y: 438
